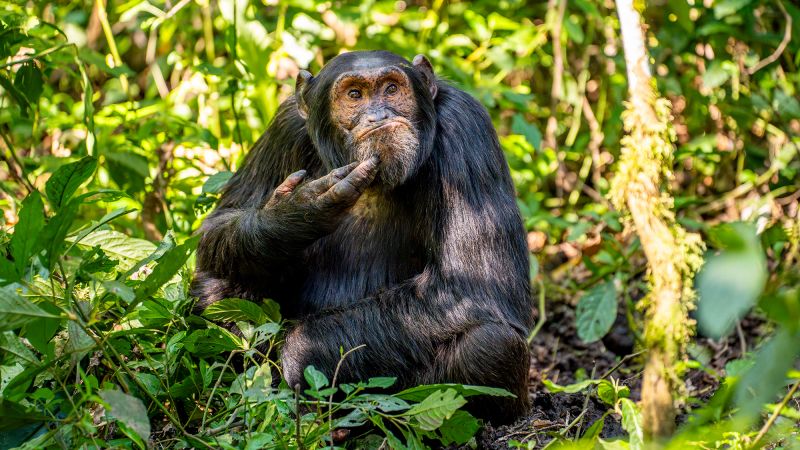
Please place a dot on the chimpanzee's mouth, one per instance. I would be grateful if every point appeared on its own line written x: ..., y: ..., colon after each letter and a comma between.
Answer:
x: 385, y: 125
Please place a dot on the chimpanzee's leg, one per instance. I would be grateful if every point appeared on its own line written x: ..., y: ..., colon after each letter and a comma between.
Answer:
x: 489, y: 354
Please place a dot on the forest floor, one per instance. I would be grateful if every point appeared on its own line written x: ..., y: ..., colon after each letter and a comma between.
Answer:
x: 558, y: 355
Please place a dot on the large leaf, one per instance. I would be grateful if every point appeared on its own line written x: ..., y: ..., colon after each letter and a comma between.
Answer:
x: 128, y: 410
x: 67, y: 179
x: 25, y: 241
x: 118, y: 246
x: 436, y: 408
x: 632, y: 423
x: 234, y: 310
x: 596, y: 312
x: 16, y: 311
x: 731, y: 281
x: 459, y: 428
x: 419, y: 393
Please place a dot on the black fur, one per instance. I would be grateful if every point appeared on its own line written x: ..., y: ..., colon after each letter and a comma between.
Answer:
x: 433, y: 278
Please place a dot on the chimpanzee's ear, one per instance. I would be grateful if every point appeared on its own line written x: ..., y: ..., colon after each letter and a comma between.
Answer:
x: 302, y: 81
x: 424, y: 67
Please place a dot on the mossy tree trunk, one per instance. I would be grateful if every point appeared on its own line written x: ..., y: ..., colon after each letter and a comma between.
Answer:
x: 673, y: 255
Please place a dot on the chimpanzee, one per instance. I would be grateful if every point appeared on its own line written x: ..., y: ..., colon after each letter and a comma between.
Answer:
x: 378, y: 209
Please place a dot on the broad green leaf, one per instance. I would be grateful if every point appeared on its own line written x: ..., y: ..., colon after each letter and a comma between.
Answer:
x: 16, y: 311
x: 55, y: 233
x: 215, y: 183
x: 25, y: 241
x: 120, y: 289
x: 315, y: 379
x: 95, y: 225
x: 596, y: 312
x: 632, y: 423
x: 67, y: 179
x: 15, y: 415
x: 235, y: 309
x: 419, y: 393
x: 459, y: 428
x: 381, y: 382
x: 436, y: 408
x: 724, y: 8
x: 119, y: 246
x: 381, y: 402
x: 212, y: 341
x: 128, y: 410
x: 570, y: 388
x: 731, y: 281
x: 30, y: 82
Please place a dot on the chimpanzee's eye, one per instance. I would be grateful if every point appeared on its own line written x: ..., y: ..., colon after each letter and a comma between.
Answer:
x: 391, y: 89
x: 354, y: 93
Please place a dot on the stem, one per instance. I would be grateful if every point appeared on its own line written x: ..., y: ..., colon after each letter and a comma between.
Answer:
x: 333, y: 384
x: 102, y: 15
x: 775, y: 414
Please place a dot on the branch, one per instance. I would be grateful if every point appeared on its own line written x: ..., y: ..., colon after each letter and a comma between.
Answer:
x: 787, y: 37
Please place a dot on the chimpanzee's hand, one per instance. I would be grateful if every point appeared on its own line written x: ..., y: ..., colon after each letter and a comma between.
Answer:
x: 320, y: 204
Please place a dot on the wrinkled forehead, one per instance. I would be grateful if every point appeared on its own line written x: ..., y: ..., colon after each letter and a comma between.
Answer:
x: 370, y: 75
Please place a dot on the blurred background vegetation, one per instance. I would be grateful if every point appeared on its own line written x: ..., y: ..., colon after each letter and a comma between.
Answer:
x: 167, y: 96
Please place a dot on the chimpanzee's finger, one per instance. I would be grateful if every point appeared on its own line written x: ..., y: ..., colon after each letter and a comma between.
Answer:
x: 350, y: 188
x: 322, y: 184
x: 286, y: 187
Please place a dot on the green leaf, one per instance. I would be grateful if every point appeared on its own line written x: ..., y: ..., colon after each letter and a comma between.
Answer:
x: 532, y: 134
x: 761, y: 383
x: 15, y: 415
x: 459, y: 428
x: 724, y: 8
x: 16, y: 311
x: 234, y: 310
x: 215, y: 183
x: 55, y: 232
x: 167, y: 267
x: 731, y: 281
x: 30, y: 82
x: 596, y: 312
x: 419, y: 393
x: 25, y: 241
x: 570, y: 388
x: 120, y: 289
x: 67, y: 179
x: 632, y: 423
x: 315, y: 379
x: 436, y: 408
x: 128, y: 410
x: 119, y: 246
x: 715, y: 76
x: 381, y: 382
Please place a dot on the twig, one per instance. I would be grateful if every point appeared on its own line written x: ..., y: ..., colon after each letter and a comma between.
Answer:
x: 787, y: 37
x: 742, y: 340
x: 333, y: 384
x: 102, y: 15
x: 14, y: 163
x: 775, y: 414
x: 555, y: 89
x: 300, y: 445
x: 542, y: 315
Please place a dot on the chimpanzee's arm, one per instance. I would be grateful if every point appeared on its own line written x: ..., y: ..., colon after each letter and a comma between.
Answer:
x: 474, y: 296
x: 242, y: 249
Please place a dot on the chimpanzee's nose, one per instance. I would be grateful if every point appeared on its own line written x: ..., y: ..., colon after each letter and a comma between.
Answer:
x: 378, y: 115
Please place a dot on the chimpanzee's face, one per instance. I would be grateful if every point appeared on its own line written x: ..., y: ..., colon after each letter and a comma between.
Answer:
x: 375, y: 111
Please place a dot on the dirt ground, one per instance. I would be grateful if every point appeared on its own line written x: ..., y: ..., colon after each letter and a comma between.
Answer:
x: 557, y: 354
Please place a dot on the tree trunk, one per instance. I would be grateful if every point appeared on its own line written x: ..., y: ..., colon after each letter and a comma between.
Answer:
x: 673, y: 255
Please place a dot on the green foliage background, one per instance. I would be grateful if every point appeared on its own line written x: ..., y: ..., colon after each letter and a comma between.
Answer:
x: 121, y: 120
